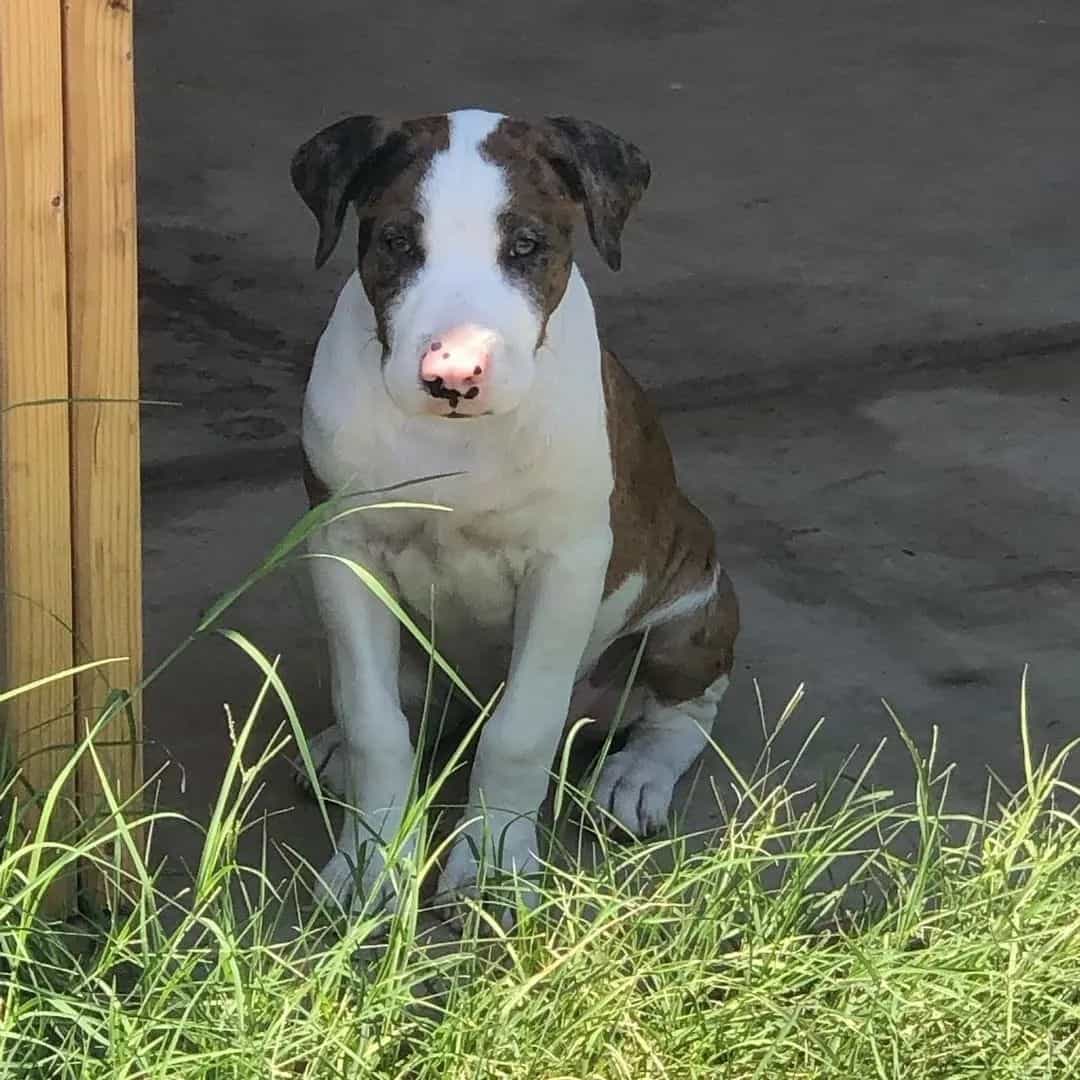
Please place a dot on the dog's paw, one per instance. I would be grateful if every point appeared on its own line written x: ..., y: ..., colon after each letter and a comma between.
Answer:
x: 329, y: 762
x: 634, y: 794
x: 502, y: 868
x: 361, y: 884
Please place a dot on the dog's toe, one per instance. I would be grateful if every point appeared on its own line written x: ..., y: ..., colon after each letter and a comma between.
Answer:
x: 635, y: 793
x: 371, y: 891
x: 337, y: 881
x: 508, y: 882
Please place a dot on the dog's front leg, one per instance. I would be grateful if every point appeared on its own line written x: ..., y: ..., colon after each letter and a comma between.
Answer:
x: 556, y: 609
x: 364, y: 641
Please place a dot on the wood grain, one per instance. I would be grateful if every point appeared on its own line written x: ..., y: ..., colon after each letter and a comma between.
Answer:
x: 35, y: 523
x: 103, y: 339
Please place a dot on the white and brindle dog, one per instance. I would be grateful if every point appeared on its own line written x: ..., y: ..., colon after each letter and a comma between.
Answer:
x: 466, y: 343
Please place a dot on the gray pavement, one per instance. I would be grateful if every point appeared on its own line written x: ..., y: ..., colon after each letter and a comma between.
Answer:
x: 854, y: 289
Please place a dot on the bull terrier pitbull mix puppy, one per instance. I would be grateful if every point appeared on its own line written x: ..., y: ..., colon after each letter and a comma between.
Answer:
x: 466, y: 343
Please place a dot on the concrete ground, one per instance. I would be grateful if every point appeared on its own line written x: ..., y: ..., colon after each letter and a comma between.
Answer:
x: 854, y: 289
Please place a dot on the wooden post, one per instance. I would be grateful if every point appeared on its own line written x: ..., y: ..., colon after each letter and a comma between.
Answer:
x: 99, y: 105
x: 35, y: 495
x: 69, y: 472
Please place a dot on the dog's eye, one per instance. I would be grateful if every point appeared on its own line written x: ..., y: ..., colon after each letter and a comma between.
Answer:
x: 399, y: 243
x: 524, y: 245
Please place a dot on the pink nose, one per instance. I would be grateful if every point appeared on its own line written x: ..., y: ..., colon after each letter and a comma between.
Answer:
x: 457, y: 364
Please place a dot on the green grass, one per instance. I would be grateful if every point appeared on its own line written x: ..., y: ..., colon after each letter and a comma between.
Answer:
x: 830, y: 932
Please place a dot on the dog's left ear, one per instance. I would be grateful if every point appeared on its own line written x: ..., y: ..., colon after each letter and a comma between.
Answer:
x: 605, y: 173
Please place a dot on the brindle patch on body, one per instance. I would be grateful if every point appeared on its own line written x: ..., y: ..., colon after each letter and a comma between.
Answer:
x: 685, y: 656
x: 682, y: 658
x: 658, y: 533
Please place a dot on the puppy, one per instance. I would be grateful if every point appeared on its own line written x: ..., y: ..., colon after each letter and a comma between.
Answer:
x: 465, y: 343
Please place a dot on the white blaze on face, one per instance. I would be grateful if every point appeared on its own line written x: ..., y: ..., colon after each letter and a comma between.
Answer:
x: 461, y: 196
x: 461, y: 292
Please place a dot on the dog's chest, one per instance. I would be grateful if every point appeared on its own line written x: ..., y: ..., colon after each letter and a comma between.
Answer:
x: 470, y: 577
x: 457, y: 572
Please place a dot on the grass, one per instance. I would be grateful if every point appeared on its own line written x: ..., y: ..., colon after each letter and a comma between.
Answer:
x: 828, y: 932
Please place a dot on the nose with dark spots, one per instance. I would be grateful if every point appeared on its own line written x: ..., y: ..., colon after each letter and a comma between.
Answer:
x: 455, y: 367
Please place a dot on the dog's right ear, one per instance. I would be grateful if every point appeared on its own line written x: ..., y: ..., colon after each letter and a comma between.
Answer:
x: 328, y: 172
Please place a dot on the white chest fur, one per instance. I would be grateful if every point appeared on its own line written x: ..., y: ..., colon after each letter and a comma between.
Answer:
x: 458, y: 583
x: 466, y: 580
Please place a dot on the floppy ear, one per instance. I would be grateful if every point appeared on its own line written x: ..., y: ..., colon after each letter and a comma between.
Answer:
x: 328, y: 169
x: 603, y: 172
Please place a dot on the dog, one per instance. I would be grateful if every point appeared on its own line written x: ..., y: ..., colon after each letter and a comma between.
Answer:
x: 464, y: 347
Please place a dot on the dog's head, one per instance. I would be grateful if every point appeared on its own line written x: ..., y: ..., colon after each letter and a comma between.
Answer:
x: 466, y: 240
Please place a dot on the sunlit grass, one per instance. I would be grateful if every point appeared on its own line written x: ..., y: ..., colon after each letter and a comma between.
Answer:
x: 948, y: 949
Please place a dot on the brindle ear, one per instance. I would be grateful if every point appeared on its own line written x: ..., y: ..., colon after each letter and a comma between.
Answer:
x: 327, y: 170
x: 603, y: 172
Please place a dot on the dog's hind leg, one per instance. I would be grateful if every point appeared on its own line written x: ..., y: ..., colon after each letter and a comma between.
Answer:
x: 685, y: 670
